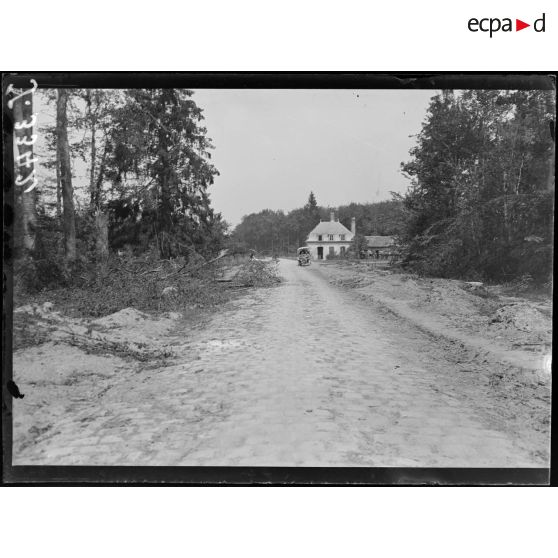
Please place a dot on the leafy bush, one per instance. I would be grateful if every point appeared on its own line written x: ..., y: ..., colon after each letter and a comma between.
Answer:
x: 480, y: 203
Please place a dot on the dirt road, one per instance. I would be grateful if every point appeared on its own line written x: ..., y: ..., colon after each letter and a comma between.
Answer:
x: 297, y: 375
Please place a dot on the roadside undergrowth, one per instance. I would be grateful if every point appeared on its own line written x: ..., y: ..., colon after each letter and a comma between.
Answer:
x: 194, y: 290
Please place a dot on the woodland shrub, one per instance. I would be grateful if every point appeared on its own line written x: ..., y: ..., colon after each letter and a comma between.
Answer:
x: 94, y: 290
x: 480, y: 204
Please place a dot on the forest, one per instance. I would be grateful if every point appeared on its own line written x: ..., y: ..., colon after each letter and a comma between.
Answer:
x: 479, y: 205
x: 481, y: 199
x: 277, y: 232
x: 142, y: 196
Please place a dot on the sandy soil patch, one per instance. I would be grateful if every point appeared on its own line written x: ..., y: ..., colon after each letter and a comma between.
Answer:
x: 511, y: 330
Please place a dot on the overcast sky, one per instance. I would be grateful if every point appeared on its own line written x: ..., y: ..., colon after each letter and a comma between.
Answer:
x: 273, y: 146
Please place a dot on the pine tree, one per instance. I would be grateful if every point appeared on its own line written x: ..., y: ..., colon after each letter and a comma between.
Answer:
x: 311, y: 216
x: 158, y: 136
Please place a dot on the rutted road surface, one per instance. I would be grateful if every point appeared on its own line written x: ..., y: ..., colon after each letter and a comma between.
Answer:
x: 297, y: 375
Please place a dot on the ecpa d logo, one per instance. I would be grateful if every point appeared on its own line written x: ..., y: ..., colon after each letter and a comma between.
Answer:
x: 492, y: 25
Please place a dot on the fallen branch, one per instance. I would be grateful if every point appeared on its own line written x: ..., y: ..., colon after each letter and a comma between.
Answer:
x: 222, y: 254
x: 151, y: 271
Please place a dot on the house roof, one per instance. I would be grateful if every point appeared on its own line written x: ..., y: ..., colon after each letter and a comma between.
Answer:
x: 380, y: 241
x: 330, y: 227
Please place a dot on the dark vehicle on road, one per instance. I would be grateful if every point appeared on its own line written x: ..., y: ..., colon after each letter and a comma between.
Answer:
x: 303, y: 255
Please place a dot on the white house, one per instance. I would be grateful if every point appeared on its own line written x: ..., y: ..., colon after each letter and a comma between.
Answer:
x: 330, y: 238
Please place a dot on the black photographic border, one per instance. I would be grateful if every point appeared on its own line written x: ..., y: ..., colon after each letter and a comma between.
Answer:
x: 238, y: 476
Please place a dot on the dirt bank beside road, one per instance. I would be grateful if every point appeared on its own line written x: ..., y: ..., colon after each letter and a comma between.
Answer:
x: 490, y: 339
x: 514, y: 330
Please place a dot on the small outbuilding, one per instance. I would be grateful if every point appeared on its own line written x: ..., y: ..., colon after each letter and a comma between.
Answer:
x: 380, y: 247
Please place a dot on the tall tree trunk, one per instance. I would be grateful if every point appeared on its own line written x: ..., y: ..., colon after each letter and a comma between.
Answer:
x: 101, y: 235
x: 26, y: 202
x: 551, y: 167
x: 94, y: 195
x: 58, y: 191
x: 95, y: 183
x: 164, y: 223
x: 101, y: 218
x: 164, y: 180
x: 63, y: 155
x: 101, y: 176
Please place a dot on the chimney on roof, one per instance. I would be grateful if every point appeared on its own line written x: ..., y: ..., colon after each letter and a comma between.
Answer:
x: 332, y: 216
x: 353, y: 226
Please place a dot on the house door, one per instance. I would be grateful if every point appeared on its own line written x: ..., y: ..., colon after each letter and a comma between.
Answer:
x: 320, y: 252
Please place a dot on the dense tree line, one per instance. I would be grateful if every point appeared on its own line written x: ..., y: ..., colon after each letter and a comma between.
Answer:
x: 278, y: 232
x: 148, y: 161
x: 481, y: 199
x: 383, y: 218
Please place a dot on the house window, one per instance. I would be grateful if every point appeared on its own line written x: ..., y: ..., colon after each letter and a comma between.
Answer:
x: 342, y: 251
x: 331, y: 251
x: 320, y: 237
x: 342, y: 237
x: 330, y: 237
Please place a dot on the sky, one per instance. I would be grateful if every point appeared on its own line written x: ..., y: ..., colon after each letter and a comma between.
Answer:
x: 272, y: 147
